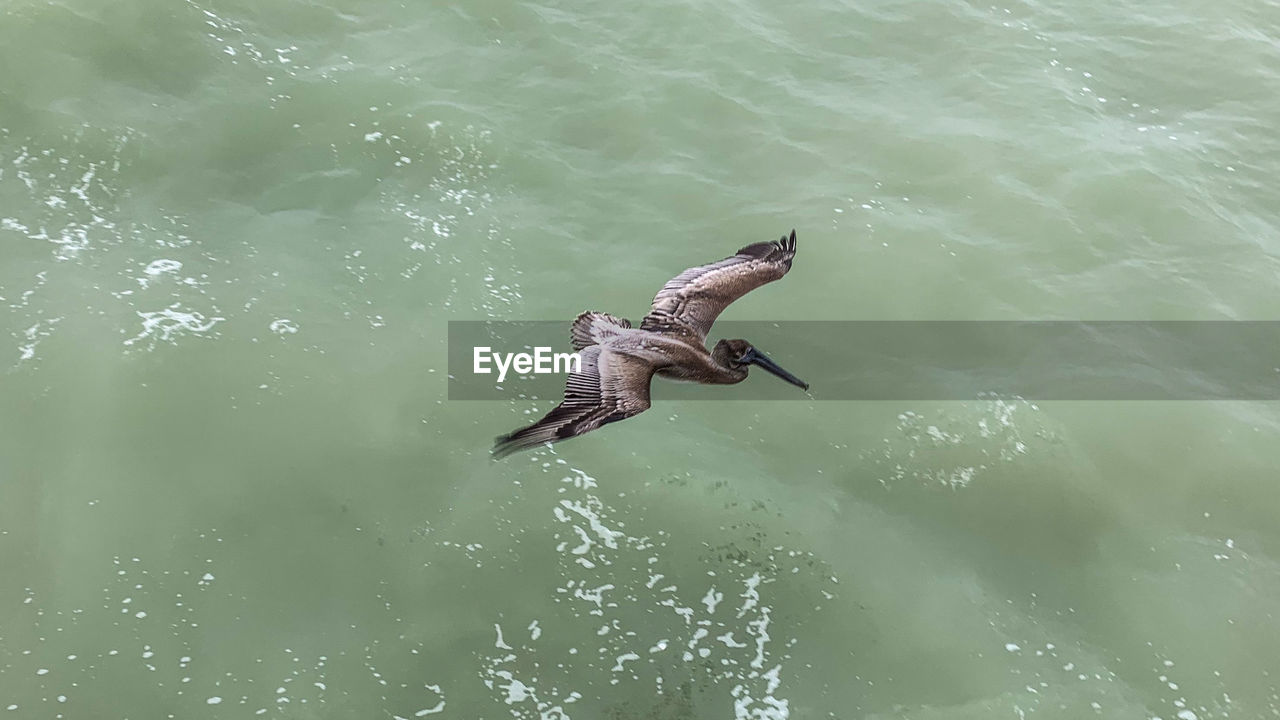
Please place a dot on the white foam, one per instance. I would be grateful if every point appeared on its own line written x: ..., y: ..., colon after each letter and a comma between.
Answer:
x: 170, y: 323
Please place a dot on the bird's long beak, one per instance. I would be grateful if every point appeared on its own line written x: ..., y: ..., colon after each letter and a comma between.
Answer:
x: 755, y: 357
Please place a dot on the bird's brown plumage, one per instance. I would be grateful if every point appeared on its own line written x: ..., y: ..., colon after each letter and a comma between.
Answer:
x: 608, y: 387
x: 692, y: 300
x: 619, y: 361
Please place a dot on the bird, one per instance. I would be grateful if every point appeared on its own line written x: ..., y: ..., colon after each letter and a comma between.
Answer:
x: 618, y: 361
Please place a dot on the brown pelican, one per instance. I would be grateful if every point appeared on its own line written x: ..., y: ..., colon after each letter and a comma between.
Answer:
x: 618, y: 361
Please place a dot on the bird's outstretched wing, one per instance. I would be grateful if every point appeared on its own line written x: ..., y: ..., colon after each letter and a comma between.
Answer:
x: 691, y: 301
x: 609, y: 386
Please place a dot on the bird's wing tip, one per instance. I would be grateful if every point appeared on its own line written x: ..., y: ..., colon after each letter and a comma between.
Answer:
x: 504, y: 445
x: 787, y: 244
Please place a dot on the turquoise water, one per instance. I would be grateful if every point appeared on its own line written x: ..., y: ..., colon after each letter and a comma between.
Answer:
x: 234, y: 235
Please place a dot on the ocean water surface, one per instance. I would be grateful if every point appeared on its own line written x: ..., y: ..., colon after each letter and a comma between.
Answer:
x: 233, y: 234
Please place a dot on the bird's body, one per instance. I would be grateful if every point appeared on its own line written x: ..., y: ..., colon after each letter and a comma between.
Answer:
x: 619, y: 361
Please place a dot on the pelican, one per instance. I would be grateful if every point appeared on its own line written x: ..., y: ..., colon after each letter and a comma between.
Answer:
x: 618, y: 361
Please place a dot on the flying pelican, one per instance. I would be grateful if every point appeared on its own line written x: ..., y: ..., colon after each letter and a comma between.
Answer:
x: 618, y: 361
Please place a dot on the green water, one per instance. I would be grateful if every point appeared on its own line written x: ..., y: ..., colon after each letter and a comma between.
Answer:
x: 231, y: 485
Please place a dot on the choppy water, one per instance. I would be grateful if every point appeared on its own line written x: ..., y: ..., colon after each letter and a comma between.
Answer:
x: 234, y: 232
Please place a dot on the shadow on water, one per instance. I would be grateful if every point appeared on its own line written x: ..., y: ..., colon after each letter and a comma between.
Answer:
x: 999, y: 488
x: 676, y: 705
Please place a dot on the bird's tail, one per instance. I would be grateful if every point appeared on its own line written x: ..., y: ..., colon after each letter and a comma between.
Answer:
x: 591, y: 328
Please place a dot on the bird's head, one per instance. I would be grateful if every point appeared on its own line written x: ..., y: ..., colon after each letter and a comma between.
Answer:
x: 738, y: 354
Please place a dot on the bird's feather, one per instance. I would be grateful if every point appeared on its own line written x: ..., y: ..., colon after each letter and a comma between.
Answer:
x: 690, y: 302
x: 593, y: 327
x: 609, y: 386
